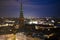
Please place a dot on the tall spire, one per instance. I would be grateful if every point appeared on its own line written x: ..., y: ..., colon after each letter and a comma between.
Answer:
x: 21, y: 10
x: 21, y: 17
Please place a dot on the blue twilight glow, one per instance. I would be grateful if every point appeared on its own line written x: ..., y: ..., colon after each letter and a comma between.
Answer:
x: 36, y: 8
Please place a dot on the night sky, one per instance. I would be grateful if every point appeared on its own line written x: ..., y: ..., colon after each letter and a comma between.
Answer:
x: 33, y: 8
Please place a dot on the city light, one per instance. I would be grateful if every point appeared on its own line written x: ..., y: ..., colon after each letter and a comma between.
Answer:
x: 9, y: 21
x: 48, y: 36
x: 3, y: 25
x: 58, y: 22
x: 52, y: 21
x: 16, y: 39
x: 33, y: 22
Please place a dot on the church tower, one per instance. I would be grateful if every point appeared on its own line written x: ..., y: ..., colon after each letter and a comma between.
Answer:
x: 21, y: 17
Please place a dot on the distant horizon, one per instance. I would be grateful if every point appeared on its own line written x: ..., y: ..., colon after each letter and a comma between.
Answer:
x: 30, y: 17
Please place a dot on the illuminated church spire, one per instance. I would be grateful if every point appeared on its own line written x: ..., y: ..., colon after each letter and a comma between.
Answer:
x: 21, y: 10
x: 21, y: 17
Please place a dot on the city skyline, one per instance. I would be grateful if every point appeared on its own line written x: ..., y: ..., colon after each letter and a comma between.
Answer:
x: 35, y: 8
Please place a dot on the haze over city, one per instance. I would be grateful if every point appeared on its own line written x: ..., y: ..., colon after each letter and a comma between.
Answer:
x: 35, y: 8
